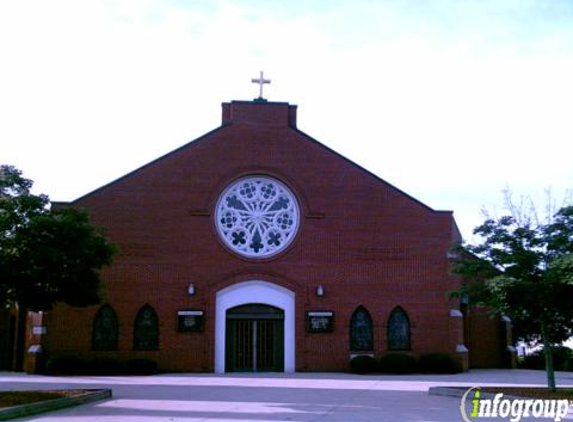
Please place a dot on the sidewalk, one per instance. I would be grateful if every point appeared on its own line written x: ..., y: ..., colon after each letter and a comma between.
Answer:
x: 273, y: 397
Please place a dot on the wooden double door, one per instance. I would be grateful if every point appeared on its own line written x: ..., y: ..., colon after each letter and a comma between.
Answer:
x: 255, y: 339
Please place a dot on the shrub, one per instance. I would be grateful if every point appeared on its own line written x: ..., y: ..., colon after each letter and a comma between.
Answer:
x: 533, y: 361
x: 65, y: 365
x: 398, y: 363
x: 363, y: 364
x: 438, y: 363
x: 562, y: 359
x: 105, y: 366
x: 141, y: 367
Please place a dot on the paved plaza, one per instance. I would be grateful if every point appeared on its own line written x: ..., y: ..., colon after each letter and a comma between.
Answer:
x: 272, y: 397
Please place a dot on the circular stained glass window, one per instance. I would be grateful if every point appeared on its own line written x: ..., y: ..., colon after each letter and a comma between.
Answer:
x: 257, y: 216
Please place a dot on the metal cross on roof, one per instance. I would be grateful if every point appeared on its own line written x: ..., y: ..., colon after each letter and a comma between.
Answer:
x: 261, y: 81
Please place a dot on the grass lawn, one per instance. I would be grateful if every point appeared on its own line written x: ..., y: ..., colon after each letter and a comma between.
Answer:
x: 15, y: 398
x: 531, y: 392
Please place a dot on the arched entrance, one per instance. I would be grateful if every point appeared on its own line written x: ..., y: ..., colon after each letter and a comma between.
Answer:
x: 254, y: 304
x: 255, y: 339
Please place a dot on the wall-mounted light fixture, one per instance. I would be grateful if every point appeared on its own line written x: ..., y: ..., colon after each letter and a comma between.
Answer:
x: 191, y: 289
x: 320, y: 291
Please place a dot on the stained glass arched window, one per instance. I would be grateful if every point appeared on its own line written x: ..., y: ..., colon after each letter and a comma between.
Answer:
x: 361, y: 332
x: 398, y: 330
x: 146, y: 329
x: 105, y: 329
x: 257, y: 216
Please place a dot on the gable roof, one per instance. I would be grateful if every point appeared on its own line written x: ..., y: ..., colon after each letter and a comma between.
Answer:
x: 229, y: 119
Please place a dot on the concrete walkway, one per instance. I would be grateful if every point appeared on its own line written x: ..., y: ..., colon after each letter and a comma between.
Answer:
x: 273, y: 397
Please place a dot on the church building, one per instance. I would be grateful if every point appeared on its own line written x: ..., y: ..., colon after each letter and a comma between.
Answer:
x: 257, y: 248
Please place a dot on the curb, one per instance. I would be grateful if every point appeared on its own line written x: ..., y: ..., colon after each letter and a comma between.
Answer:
x: 460, y: 391
x: 447, y: 391
x: 53, y: 404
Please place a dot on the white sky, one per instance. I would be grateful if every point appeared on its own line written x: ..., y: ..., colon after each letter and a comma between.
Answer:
x: 450, y: 101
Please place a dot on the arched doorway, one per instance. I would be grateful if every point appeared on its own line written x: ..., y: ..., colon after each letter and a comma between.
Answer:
x: 255, y: 339
x: 264, y: 299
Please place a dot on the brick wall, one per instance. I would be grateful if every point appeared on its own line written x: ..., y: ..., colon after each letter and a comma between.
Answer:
x: 364, y: 240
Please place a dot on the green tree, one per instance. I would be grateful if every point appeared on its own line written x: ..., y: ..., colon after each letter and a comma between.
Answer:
x: 524, y: 269
x: 46, y: 256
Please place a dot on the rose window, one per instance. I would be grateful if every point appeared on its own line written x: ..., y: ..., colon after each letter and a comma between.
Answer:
x: 257, y: 216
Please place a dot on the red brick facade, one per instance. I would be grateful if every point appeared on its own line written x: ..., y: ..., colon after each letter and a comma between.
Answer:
x: 366, y: 242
